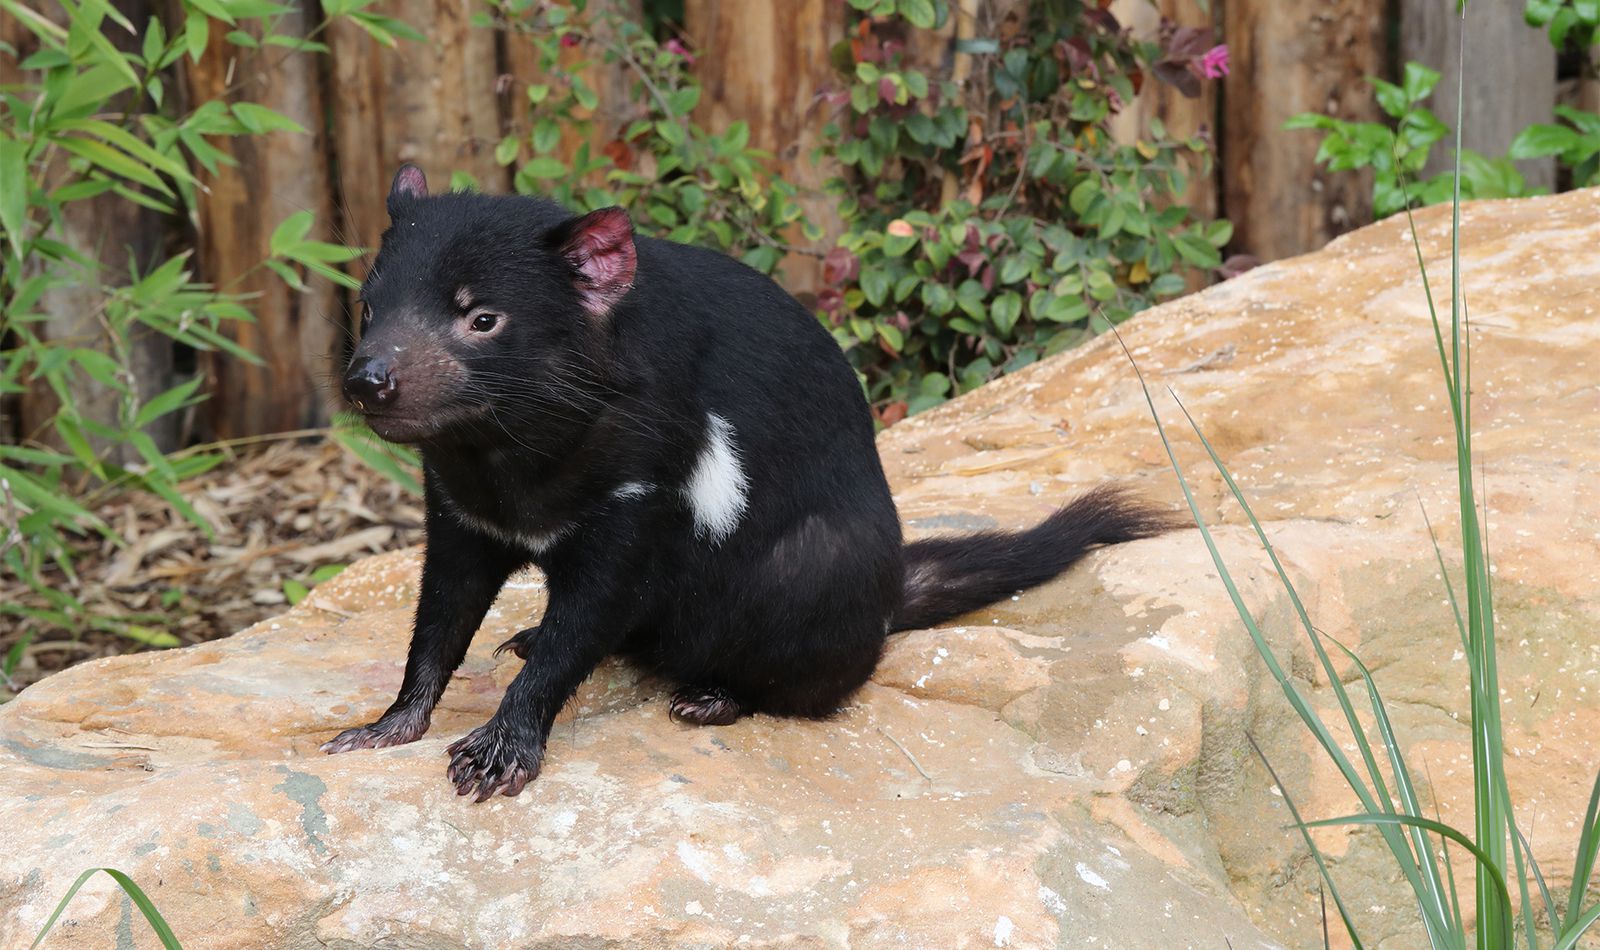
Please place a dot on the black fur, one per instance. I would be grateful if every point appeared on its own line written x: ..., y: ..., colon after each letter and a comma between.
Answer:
x: 562, y: 429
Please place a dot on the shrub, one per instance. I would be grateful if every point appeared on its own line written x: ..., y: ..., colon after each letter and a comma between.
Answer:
x: 92, y: 121
x: 1398, y: 151
x: 993, y: 223
x: 677, y: 179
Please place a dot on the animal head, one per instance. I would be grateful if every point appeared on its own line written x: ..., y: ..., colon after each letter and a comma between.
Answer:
x: 481, y: 310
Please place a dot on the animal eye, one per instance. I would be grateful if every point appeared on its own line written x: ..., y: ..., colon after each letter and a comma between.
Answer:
x: 366, y: 316
x: 484, y: 322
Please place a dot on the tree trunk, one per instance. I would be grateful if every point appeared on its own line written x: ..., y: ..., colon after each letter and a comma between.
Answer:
x: 1292, y: 56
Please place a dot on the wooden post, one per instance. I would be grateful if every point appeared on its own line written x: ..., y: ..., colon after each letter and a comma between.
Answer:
x: 295, y: 333
x: 1291, y: 56
x: 432, y: 103
x: 764, y: 61
x: 1510, y: 76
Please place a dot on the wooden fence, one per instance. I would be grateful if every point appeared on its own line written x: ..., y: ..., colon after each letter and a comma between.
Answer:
x: 445, y: 104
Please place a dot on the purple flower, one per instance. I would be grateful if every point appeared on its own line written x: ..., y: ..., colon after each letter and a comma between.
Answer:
x: 675, y: 47
x: 1214, y: 64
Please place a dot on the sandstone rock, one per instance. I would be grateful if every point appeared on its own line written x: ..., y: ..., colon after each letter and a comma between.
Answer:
x: 1066, y: 769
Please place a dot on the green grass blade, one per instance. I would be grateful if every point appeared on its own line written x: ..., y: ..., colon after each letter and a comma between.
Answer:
x: 1407, y: 793
x: 1334, y: 680
x: 1569, y: 938
x: 1444, y: 572
x: 1316, y: 853
x: 1494, y: 880
x: 1529, y: 933
x: 1449, y: 866
x: 146, y: 907
x: 1427, y: 891
x: 1518, y: 841
x: 1583, y: 863
x: 1396, y: 841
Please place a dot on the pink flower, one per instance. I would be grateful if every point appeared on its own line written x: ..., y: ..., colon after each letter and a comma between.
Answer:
x: 677, y: 48
x: 1214, y: 64
x: 569, y: 40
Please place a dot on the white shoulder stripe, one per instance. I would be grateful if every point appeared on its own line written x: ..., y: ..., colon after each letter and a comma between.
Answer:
x: 717, y: 490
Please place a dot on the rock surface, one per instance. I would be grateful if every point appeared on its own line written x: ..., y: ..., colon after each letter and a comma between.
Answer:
x: 1067, y: 769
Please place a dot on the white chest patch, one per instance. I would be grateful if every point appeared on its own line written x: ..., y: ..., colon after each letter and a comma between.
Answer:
x: 718, y: 489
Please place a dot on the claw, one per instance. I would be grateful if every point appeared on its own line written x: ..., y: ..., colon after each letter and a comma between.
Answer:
x: 517, y: 644
x: 487, y: 761
x: 390, y: 730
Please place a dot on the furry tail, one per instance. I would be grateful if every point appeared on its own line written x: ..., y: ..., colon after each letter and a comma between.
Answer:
x: 947, y: 577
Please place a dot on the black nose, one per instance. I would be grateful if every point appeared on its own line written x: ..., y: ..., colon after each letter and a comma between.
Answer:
x: 369, y: 384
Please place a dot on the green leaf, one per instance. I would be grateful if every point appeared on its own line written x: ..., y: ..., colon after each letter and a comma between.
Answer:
x: 292, y: 231
x: 1166, y: 285
x: 258, y: 119
x: 117, y: 163
x: 14, y: 188
x: 545, y: 167
x: 196, y: 31
x: 1419, y: 82
x: 169, y: 401
x: 682, y: 101
x: 159, y: 161
x: 506, y: 152
x: 66, y: 426
x: 891, y: 335
x: 327, y: 572
x: 1391, y: 98
x: 1539, y: 12
x: 1538, y: 140
x: 1014, y: 269
x: 875, y: 285
x: 1006, y: 311
x: 1083, y: 194
x: 921, y: 13
x: 294, y: 591
x: 546, y: 135
x: 1197, y: 250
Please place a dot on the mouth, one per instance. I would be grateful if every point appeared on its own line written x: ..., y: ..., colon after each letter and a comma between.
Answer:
x: 399, y: 428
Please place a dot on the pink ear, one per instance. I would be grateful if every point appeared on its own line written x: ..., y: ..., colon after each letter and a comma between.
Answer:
x: 599, y: 246
x: 409, y: 183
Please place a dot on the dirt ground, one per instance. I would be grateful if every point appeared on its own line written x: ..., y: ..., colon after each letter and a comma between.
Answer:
x: 279, y: 512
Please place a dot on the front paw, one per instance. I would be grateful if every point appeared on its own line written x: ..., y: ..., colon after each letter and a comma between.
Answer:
x: 493, y: 757
x: 387, y: 731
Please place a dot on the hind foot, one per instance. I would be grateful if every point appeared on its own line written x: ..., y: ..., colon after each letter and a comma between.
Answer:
x: 519, y: 644
x: 704, y: 706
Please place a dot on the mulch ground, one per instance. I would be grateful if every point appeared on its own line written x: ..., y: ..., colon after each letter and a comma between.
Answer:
x: 278, y: 513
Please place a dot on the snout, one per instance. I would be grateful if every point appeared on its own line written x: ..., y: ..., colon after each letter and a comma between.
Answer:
x: 370, y: 384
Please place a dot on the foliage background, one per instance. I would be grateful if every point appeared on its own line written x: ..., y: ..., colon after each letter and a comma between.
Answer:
x: 957, y: 188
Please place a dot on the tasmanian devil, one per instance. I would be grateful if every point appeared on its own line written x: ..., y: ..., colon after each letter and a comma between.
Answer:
x: 682, y: 450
